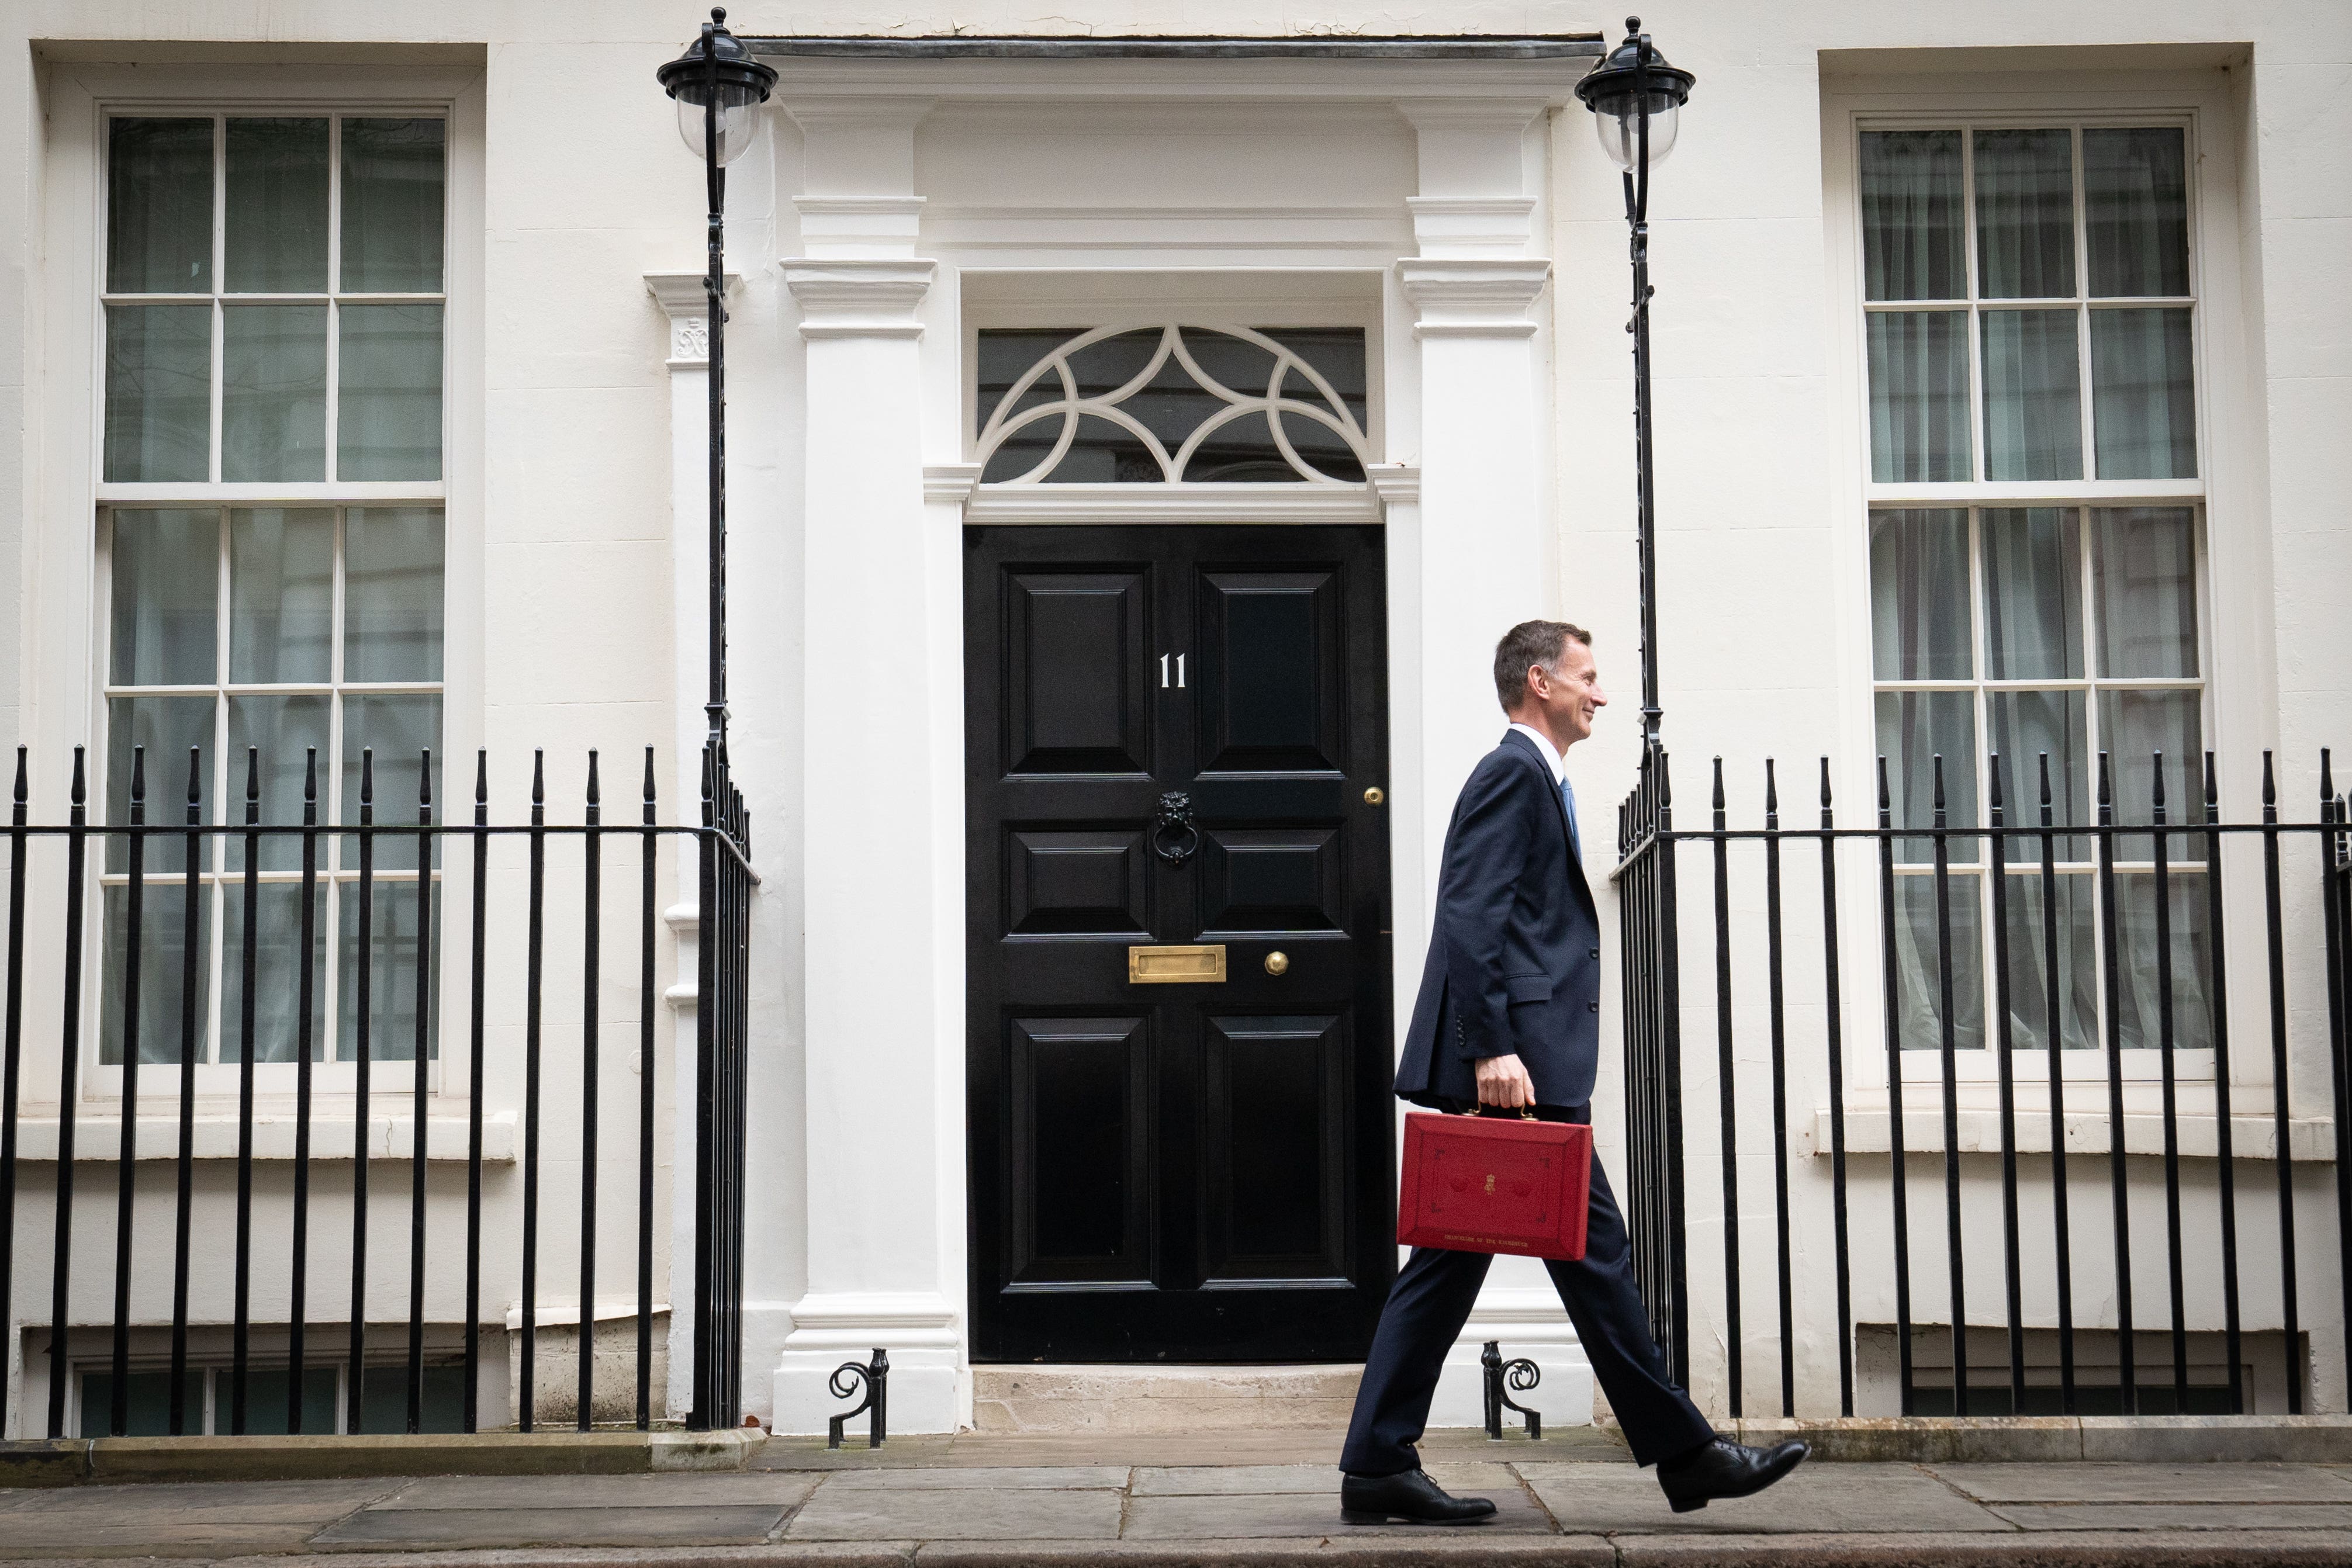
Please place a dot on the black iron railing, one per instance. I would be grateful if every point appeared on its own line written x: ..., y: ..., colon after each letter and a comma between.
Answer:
x: 1956, y: 901
x: 404, y: 868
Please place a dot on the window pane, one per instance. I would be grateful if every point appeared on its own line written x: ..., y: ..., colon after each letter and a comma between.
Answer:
x: 1919, y: 968
x: 2143, y: 394
x: 2025, y: 213
x: 1240, y: 451
x: 162, y: 931
x: 149, y: 1406
x: 1914, y: 729
x: 2033, y: 395
x: 1005, y: 355
x: 2144, y: 588
x: 166, y: 568
x: 399, y: 729
x: 2134, y: 727
x: 167, y: 727
x: 2135, y: 211
x: 282, y: 730
x: 158, y: 206
x: 384, y: 1393
x: 274, y: 393
x: 1918, y: 397
x: 392, y: 974
x: 1919, y: 595
x: 265, y: 1406
x: 2025, y: 725
x: 392, y: 594
x: 2030, y: 962
x: 1911, y: 216
x: 388, y: 424
x: 276, y: 230
x: 281, y: 594
x: 277, y: 973
x: 159, y: 379
x: 2033, y: 594
x: 2139, y: 1017
x: 393, y: 180
x: 1335, y: 353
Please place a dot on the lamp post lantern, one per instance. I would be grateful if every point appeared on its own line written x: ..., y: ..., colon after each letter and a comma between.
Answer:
x: 719, y: 88
x: 1636, y: 97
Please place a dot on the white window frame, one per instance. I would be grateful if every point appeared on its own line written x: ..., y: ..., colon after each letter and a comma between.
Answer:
x: 73, y: 628
x: 2233, y: 615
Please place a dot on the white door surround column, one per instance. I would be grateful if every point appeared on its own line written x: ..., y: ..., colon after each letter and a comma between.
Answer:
x: 883, y: 1106
x: 1485, y: 560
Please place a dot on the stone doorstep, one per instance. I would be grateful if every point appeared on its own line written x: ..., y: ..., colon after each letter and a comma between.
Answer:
x: 74, y: 1461
x: 2143, y: 1439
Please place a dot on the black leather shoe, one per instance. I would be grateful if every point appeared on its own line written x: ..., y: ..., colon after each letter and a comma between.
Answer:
x: 1725, y: 1468
x: 1410, y: 1496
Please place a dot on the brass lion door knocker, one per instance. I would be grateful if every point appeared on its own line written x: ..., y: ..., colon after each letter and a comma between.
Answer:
x: 1174, y: 838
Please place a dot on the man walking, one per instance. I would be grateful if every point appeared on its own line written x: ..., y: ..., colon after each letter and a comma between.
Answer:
x: 1509, y: 1016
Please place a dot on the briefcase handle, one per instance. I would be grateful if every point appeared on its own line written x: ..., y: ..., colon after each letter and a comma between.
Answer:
x: 1527, y: 1114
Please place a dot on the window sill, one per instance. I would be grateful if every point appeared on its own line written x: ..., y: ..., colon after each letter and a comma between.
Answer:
x: 97, y: 1139
x: 2252, y: 1136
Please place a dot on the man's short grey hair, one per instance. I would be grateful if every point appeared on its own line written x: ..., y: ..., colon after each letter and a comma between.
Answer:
x: 1526, y: 645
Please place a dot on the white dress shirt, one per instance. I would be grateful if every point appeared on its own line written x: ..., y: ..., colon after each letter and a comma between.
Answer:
x: 1559, y: 778
x: 1543, y: 749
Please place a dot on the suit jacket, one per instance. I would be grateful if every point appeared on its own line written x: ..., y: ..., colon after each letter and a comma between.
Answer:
x: 1515, y: 950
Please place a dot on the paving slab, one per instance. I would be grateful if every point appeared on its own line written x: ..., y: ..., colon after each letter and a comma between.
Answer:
x: 1258, y: 1516
x: 2148, y: 1483
x: 1361, y: 1549
x: 2177, y: 1516
x: 188, y: 1519
x: 956, y: 1514
x: 1056, y: 1450
x: 708, y: 1490
x: 1816, y: 1499
x: 1067, y: 1478
x: 1197, y: 1481
x: 2109, y: 1548
x: 470, y: 1529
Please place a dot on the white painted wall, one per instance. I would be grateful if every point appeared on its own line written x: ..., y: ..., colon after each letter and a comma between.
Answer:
x: 585, y: 544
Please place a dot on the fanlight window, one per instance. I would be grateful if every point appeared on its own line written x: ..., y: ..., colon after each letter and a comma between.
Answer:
x: 1148, y: 405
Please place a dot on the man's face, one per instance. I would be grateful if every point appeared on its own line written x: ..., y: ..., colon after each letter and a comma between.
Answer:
x: 1569, y: 694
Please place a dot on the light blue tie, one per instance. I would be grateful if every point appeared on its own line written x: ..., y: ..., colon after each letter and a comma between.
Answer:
x: 1575, y: 843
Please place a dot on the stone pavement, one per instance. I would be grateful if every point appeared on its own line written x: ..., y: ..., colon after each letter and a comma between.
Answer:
x: 975, y: 1502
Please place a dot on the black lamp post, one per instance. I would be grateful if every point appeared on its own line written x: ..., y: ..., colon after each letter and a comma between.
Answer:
x: 719, y: 88
x: 1635, y: 98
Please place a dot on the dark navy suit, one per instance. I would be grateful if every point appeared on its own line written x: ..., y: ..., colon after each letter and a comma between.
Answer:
x: 1514, y: 968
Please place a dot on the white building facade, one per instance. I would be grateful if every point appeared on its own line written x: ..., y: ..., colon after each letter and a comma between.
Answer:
x: 1126, y: 406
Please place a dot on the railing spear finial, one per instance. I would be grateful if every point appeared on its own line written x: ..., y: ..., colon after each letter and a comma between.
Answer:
x: 1771, y: 796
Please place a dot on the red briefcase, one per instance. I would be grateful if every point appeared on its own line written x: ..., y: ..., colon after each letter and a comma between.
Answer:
x: 1496, y: 1183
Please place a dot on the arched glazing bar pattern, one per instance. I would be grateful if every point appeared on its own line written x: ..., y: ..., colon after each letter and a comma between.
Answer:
x: 1172, y: 403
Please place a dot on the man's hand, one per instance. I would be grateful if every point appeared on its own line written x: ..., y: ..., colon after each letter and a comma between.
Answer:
x: 1503, y: 1080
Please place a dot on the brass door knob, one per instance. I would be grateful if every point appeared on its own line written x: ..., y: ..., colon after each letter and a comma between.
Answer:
x: 1373, y: 796
x: 1277, y: 963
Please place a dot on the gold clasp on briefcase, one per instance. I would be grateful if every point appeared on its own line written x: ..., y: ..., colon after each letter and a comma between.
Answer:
x: 1204, y: 965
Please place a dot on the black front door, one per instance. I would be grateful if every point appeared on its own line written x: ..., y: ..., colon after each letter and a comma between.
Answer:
x: 1177, y: 737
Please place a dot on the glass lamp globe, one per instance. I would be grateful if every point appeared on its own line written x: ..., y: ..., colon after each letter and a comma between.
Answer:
x: 1616, y: 89
x: 717, y: 69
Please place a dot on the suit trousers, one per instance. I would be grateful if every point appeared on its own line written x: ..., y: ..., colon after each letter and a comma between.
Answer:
x: 1432, y: 1300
